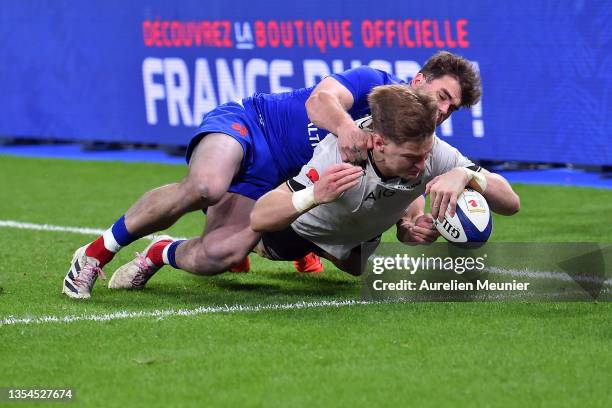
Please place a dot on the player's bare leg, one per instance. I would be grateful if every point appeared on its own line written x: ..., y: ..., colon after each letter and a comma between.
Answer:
x: 214, y: 162
x: 227, y: 239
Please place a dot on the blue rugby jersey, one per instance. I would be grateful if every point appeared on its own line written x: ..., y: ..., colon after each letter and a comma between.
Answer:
x: 285, y: 123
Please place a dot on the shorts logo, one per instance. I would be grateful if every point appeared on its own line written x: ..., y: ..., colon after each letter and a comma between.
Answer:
x: 240, y: 128
x: 313, y: 175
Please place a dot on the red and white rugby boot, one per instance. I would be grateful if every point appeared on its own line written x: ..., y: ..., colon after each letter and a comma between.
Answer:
x: 82, y: 275
x: 136, y: 273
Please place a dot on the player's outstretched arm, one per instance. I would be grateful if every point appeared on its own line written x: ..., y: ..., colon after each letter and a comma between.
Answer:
x: 327, y: 108
x: 446, y: 188
x: 277, y: 209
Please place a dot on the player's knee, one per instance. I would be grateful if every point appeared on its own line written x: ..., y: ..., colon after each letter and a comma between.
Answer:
x: 215, y: 258
x: 209, y: 191
x: 226, y: 256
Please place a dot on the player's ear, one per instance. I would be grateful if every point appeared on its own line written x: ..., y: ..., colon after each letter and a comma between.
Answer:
x: 378, y: 141
x: 417, y: 80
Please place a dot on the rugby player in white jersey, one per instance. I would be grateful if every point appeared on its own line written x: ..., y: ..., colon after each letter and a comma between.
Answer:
x: 332, y: 207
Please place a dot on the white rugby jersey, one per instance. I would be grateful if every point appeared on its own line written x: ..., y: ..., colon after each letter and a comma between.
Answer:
x: 371, y: 207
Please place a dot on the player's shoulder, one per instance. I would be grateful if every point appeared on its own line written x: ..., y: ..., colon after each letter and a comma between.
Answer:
x: 325, y: 155
x: 385, y: 76
x: 444, y: 157
x: 327, y: 149
x: 367, y: 74
x: 442, y: 148
x: 364, y: 123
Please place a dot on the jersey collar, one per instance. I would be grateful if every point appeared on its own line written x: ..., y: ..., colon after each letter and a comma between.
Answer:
x: 391, y: 183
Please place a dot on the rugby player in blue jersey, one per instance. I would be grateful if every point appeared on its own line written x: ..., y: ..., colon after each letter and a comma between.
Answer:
x: 241, y: 151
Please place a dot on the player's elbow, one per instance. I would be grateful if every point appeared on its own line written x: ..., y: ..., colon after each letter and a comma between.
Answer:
x: 316, y: 102
x: 258, y: 221
x: 512, y: 205
x: 515, y: 205
x: 312, y: 104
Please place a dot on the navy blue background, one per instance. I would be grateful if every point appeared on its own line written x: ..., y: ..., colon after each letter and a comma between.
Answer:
x: 73, y: 70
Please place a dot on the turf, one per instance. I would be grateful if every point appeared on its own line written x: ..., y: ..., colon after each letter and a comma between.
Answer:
x: 421, y: 354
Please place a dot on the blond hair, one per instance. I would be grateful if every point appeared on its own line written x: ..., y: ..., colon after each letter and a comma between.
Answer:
x: 402, y: 114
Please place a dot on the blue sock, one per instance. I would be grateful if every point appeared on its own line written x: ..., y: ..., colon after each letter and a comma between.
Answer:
x: 121, y: 234
x: 172, y: 253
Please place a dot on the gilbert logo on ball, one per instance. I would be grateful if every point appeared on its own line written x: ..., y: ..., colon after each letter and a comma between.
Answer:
x: 471, y: 225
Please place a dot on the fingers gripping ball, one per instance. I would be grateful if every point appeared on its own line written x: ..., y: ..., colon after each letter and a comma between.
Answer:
x: 471, y: 225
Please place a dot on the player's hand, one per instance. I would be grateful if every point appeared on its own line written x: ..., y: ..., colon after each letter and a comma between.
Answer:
x: 354, y: 144
x: 335, y: 181
x: 443, y: 192
x: 419, y: 232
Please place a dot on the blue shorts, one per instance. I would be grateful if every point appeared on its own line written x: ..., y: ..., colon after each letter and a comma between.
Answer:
x: 258, y: 172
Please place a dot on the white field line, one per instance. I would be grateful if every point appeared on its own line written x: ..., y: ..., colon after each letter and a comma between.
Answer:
x: 98, y: 231
x: 58, y: 228
x: 47, y: 227
x: 525, y: 273
x: 202, y: 310
x: 160, y: 314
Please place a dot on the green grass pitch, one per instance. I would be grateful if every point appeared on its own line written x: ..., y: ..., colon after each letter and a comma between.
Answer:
x: 405, y: 354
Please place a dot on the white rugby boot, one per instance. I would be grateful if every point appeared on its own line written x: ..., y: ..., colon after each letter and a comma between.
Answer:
x: 82, y: 275
x: 136, y: 273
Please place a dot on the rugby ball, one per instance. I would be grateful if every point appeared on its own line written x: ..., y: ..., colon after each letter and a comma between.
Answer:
x: 471, y: 225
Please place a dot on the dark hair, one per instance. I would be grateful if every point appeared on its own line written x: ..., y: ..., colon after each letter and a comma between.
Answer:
x: 402, y: 114
x: 446, y: 63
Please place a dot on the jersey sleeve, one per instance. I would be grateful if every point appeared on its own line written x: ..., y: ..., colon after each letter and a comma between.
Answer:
x: 325, y: 154
x: 360, y: 81
x: 445, y: 158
